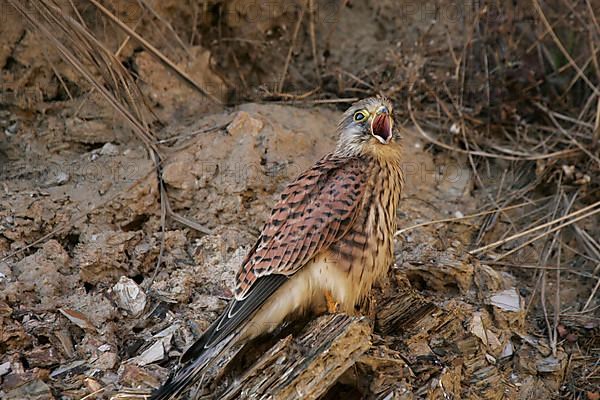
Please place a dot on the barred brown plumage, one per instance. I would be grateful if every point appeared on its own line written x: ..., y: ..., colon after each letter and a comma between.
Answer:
x: 329, y: 238
x: 314, y: 212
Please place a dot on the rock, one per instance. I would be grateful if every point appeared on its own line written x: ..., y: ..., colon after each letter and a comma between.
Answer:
x: 156, y: 352
x: 70, y: 368
x: 5, y: 272
x: 507, y: 300
x: 168, y: 91
x: 96, y: 307
x: 507, y: 308
x: 106, y: 361
x: 92, y: 385
x: 14, y: 380
x: 34, y: 390
x: 41, y: 271
x: 494, y: 343
x: 78, y: 319
x: 5, y: 368
x: 142, y: 199
x: 508, y: 350
x: 12, y: 129
x: 103, y: 348
x: 476, y: 328
x: 135, y: 376
x: 44, y: 356
x: 103, y: 256
x: 109, y: 378
x: 109, y: 149
x: 382, y: 370
x: 64, y: 339
x: 13, y: 335
x: 244, y: 124
x: 179, y: 175
x: 216, y: 266
x: 129, y: 296
x: 57, y: 179
x: 488, y: 281
x: 551, y: 364
x: 539, y: 344
x: 89, y: 131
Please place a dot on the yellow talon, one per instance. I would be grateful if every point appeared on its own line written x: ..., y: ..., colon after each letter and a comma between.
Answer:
x: 332, y: 305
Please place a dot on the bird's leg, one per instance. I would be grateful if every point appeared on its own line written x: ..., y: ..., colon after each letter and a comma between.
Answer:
x: 372, y: 307
x: 332, y: 305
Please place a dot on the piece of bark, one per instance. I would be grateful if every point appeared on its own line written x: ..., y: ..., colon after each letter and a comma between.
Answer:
x: 306, y: 366
x: 380, y: 373
x: 402, y: 312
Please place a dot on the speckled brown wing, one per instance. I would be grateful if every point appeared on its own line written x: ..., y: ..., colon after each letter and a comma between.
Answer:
x: 314, y: 211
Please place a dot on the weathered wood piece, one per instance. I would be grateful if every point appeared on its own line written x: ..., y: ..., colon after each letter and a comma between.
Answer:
x: 305, y: 367
x: 402, y: 311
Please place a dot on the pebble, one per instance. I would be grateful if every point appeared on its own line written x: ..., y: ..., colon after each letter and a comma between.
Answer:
x: 109, y: 149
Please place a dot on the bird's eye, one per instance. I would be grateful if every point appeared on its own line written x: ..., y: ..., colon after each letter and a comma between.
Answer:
x: 360, y: 115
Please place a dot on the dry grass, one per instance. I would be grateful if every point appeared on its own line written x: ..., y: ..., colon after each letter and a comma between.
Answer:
x: 529, y: 99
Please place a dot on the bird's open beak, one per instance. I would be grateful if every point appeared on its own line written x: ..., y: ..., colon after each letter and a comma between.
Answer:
x: 381, y: 127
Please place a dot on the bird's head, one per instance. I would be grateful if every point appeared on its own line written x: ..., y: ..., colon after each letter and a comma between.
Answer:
x: 367, y: 126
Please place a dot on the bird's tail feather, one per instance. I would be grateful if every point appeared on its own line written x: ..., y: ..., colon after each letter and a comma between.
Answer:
x: 189, y: 374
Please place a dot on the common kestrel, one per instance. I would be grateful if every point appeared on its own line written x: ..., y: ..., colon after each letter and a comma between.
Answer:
x: 328, y: 239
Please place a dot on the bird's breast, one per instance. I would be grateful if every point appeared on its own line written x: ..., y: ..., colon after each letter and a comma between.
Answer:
x: 365, y: 253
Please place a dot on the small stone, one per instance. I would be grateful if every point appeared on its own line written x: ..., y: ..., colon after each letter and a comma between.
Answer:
x: 109, y: 149
x: 178, y: 174
x: 476, y: 327
x: 156, y: 352
x: 14, y: 380
x: 92, y: 385
x: 72, y: 367
x: 583, y: 180
x: 5, y: 368
x: 508, y: 300
x: 34, y: 390
x: 60, y: 178
x: 454, y: 128
x: 42, y: 357
x: 507, y: 351
x: 244, y: 124
x: 549, y: 364
x: 12, y: 129
x: 493, y: 341
x: 109, y: 378
x: 78, y: 319
x: 104, y: 347
x: 106, y: 361
x: 129, y: 296
x: 137, y: 377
